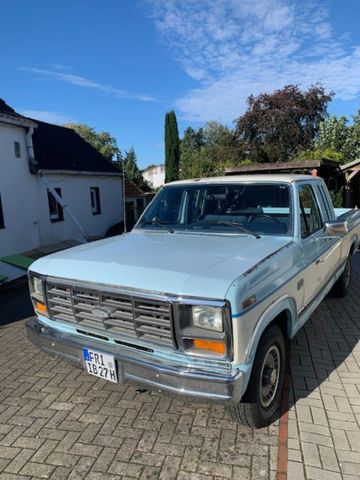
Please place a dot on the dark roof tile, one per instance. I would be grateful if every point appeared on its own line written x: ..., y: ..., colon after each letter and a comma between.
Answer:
x: 61, y: 148
x: 132, y: 190
x: 5, y: 109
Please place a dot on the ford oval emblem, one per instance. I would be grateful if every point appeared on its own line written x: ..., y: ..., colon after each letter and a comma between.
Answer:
x: 102, y: 313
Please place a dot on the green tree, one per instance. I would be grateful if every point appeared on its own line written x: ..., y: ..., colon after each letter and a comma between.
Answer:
x: 351, y: 148
x: 333, y: 133
x: 208, y: 151
x: 277, y: 126
x: 172, y: 148
x: 190, y: 147
x: 336, y: 140
x: 102, y: 141
x: 132, y: 171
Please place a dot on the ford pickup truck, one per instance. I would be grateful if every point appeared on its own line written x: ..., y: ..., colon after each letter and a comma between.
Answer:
x: 202, y: 297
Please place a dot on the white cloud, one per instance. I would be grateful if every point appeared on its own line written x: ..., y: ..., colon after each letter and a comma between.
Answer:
x: 83, y: 82
x: 46, y: 116
x: 234, y: 48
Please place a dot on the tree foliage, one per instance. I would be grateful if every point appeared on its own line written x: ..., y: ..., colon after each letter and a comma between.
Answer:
x: 190, y: 157
x: 102, y: 141
x: 132, y: 171
x: 277, y: 126
x: 336, y: 140
x: 337, y: 134
x: 172, y: 148
x: 207, y: 151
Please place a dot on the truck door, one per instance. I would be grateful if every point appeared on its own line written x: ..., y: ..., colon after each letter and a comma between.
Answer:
x: 321, y: 254
x: 330, y: 247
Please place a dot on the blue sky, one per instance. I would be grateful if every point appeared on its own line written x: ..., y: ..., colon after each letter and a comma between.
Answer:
x: 119, y: 65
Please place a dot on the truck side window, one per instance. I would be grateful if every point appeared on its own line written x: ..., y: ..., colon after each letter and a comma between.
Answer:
x: 310, y: 218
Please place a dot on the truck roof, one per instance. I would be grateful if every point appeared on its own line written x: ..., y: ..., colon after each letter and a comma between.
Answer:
x: 284, y: 178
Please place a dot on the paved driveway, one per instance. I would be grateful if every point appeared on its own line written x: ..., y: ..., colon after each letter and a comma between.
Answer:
x: 58, y: 422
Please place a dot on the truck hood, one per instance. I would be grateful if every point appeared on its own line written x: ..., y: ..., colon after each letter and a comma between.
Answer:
x: 176, y: 263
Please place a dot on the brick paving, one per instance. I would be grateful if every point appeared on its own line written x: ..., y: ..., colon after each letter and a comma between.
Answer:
x: 324, y: 416
x: 58, y: 422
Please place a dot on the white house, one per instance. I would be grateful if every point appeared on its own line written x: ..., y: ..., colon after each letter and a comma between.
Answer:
x: 54, y: 186
x: 154, y: 175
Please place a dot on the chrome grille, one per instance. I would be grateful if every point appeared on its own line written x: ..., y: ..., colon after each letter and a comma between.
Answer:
x: 128, y: 316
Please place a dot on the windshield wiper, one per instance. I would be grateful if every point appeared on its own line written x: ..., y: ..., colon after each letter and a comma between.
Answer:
x: 236, y: 225
x: 159, y: 224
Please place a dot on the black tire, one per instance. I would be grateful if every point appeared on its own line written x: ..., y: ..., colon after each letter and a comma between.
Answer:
x: 342, y: 285
x: 254, y: 410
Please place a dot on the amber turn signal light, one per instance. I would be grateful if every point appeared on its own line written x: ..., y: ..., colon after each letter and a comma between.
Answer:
x: 211, y: 345
x: 41, y: 308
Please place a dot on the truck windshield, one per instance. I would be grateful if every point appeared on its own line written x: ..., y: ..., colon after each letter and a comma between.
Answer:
x: 240, y: 208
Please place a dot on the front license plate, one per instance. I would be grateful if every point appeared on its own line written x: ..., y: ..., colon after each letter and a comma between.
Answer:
x: 100, y: 364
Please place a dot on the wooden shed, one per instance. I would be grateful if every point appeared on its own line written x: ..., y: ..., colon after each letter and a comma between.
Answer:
x: 329, y: 170
x: 352, y: 179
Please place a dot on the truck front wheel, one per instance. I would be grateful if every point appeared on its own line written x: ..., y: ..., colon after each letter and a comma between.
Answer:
x: 261, y: 403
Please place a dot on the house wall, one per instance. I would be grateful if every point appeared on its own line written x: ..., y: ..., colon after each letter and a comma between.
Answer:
x: 75, y: 191
x: 18, y: 194
x: 155, y: 176
x: 25, y: 202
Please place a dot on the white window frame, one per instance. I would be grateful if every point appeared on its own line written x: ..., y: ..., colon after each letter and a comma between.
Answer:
x: 95, y: 200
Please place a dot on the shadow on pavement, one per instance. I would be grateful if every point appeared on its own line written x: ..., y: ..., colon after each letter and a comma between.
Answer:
x: 327, y: 340
x: 15, y: 304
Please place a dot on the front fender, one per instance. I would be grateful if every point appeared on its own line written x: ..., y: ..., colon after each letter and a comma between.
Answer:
x: 282, y: 304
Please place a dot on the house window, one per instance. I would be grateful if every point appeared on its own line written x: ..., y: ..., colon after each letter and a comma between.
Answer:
x: 55, y: 209
x: 2, y: 223
x: 95, y: 200
x: 17, y: 149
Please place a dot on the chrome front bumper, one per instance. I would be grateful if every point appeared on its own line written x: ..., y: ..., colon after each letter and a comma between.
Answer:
x: 143, y: 368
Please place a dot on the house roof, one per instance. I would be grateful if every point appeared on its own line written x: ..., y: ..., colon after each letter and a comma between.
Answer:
x: 5, y: 108
x: 351, y: 165
x: 153, y: 167
x: 62, y: 149
x: 8, y: 115
x: 132, y: 190
x: 282, y: 167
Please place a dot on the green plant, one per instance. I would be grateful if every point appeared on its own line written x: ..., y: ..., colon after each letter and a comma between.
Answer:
x: 337, y: 198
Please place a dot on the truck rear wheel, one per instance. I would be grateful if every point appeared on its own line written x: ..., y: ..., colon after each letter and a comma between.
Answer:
x: 342, y: 285
x: 261, y: 403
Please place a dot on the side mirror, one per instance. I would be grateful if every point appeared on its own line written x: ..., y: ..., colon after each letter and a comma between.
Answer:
x: 336, y: 227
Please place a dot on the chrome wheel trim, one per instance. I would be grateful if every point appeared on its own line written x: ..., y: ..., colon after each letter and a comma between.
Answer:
x: 269, y: 376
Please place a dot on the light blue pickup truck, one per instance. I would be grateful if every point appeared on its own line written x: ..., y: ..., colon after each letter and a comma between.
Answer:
x: 201, y: 298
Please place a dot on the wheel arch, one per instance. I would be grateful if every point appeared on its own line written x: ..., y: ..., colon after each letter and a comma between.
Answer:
x: 354, y: 245
x: 282, y: 313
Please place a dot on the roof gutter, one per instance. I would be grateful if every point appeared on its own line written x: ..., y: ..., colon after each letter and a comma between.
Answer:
x: 78, y: 172
x: 16, y: 121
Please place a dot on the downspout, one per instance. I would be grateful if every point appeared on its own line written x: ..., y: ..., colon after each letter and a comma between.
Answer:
x: 33, y: 165
x: 65, y: 207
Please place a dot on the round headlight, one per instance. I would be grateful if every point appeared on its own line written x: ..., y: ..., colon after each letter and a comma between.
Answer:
x: 204, y: 316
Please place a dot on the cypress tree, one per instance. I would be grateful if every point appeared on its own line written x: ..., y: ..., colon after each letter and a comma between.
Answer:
x: 172, y: 148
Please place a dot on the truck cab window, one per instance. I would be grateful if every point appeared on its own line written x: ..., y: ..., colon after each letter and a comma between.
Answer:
x: 310, y: 218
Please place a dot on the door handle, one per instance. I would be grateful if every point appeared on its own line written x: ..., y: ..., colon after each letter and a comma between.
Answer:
x: 332, y: 250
